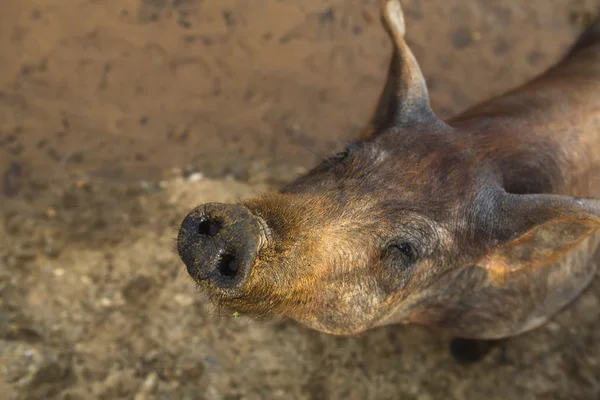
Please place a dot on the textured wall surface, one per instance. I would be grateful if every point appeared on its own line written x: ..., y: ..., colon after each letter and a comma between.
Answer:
x: 129, y: 88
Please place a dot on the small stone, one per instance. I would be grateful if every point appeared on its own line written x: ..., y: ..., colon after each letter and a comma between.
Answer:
x: 58, y: 272
x: 145, y: 185
x: 86, y: 280
x: 184, y: 300
x: 195, y: 177
x: 106, y: 302
x: 150, y: 383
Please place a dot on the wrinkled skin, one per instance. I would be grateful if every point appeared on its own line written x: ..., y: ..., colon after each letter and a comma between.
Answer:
x: 483, y: 226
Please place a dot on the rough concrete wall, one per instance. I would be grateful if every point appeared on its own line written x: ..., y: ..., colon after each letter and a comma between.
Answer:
x: 130, y: 88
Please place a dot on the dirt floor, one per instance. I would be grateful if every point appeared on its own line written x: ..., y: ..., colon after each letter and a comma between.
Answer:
x: 118, y: 116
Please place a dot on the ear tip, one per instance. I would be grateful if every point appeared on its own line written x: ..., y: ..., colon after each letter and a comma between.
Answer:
x: 393, y: 17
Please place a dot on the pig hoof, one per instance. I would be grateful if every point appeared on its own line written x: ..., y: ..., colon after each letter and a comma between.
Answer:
x: 469, y: 351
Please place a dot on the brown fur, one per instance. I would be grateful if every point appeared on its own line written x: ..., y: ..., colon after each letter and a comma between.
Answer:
x: 483, y: 226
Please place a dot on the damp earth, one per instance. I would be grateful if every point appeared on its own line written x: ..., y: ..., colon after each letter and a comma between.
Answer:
x: 118, y: 116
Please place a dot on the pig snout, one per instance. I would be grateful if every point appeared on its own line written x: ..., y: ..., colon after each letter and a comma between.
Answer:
x: 218, y: 243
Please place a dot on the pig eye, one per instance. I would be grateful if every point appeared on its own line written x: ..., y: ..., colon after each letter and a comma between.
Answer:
x: 406, y: 250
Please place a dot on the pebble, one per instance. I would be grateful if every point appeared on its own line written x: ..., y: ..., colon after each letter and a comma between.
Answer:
x: 195, y: 177
x: 106, y: 302
x: 150, y: 383
x: 58, y: 272
x: 184, y: 300
x: 86, y: 280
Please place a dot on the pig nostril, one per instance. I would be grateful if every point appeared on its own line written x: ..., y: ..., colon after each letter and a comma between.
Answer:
x: 218, y: 244
x: 227, y: 265
x: 209, y: 227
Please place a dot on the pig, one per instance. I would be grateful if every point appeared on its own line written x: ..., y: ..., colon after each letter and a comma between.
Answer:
x: 482, y: 227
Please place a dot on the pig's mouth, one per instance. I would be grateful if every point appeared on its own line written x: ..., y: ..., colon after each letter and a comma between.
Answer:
x: 218, y: 243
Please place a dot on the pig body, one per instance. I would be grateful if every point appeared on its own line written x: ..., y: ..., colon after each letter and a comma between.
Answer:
x: 483, y: 226
x: 543, y: 137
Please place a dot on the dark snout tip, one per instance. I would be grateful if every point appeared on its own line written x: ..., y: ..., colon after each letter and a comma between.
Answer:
x: 218, y: 243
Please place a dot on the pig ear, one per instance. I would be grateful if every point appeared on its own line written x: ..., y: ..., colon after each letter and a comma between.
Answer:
x: 531, y: 231
x: 404, y: 100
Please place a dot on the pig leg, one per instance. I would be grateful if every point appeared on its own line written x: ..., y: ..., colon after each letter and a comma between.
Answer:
x: 469, y: 351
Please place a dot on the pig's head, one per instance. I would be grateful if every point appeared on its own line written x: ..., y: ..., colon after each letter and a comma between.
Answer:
x: 354, y: 242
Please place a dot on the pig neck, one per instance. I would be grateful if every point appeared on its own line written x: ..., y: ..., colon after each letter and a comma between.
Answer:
x: 545, y: 135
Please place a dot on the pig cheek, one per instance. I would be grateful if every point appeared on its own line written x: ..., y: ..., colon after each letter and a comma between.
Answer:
x: 345, y: 309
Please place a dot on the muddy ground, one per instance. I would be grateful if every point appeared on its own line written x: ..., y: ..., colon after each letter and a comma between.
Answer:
x: 117, y: 116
